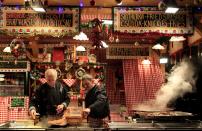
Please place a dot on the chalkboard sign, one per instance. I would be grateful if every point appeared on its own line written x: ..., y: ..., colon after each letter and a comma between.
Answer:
x: 150, y: 19
x: 28, y: 21
x: 127, y: 51
x: 39, y: 20
x: 17, y: 102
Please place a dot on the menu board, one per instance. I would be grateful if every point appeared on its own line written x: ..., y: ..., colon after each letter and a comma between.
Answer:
x: 150, y: 19
x: 26, y: 20
x: 127, y: 51
x: 39, y: 20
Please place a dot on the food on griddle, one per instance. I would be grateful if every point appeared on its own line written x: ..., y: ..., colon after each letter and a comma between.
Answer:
x: 72, y: 116
x: 59, y: 122
x: 164, y: 113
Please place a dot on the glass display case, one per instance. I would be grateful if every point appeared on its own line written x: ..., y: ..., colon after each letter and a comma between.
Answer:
x: 14, y: 78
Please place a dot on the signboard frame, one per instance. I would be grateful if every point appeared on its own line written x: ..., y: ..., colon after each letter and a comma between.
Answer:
x: 126, y: 51
x: 150, y: 19
x: 51, y: 23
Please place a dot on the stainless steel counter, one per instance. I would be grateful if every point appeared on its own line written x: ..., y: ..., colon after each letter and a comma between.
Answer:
x: 152, y: 125
x: 197, y: 125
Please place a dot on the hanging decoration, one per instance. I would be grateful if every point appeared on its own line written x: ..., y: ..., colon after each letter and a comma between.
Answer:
x: 59, y: 73
x: 34, y: 54
x: 80, y: 73
x: 35, y: 74
x: 68, y: 66
x: 17, y: 47
x: 111, y: 37
x: 97, y: 30
x: 92, y: 58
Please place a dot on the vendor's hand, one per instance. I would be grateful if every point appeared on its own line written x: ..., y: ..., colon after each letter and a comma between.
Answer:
x: 60, y: 108
x: 33, y: 114
x: 86, y: 110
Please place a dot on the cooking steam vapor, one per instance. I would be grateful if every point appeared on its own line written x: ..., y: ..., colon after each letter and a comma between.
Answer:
x: 180, y: 81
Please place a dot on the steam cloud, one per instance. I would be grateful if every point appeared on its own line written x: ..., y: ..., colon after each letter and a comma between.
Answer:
x: 180, y: 81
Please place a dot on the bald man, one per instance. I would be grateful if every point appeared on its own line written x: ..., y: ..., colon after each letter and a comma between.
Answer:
x: 50, y: 98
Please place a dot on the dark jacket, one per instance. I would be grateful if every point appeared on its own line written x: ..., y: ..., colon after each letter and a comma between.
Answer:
x: 96, y: 99
x: 47, y: 98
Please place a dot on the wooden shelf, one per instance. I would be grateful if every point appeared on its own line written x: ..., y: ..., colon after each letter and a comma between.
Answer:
x: 11, y: 85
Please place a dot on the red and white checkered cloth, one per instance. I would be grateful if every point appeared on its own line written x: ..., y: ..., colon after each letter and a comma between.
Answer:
x: 43, y: 80
x: 19, y: 112
x: 69, y: 82
x: 8, y: 113
x: 141, y: 82
x: 4, y: 117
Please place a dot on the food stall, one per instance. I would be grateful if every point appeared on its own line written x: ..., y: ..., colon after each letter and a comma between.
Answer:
x: 120, y: 46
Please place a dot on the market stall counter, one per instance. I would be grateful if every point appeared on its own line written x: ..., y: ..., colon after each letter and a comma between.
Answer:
x: 124, y: 125
x: 41, y: 126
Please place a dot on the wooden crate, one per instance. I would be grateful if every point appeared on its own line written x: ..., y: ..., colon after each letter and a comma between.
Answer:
x: 74, y: 115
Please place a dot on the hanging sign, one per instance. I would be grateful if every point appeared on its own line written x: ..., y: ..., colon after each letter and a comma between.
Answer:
x: 127, y: 51
x: 17, y: 102
x: 28, y: 21
x: 148, y: 19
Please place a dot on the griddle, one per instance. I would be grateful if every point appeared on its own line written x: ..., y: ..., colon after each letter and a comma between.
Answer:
x: 168, y: 115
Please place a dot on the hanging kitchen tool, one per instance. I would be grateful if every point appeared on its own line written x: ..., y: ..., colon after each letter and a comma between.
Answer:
x: 80, y: 73
x: 92, y: 58
x: 59, y: 73
x: 68, y: 66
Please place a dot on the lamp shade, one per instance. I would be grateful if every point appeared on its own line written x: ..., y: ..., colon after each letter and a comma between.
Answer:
x: 146, y: 61
x: 158, y: 47
x: 177, y: 38
x: 171, y: 6
x: 37, y: 6
x: 81, y: 36
x: 80, y: 48
x: 7, y: 49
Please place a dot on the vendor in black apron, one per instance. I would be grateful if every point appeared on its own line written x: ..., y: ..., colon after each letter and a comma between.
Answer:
x: 96, y: 102
x: 50, y: 98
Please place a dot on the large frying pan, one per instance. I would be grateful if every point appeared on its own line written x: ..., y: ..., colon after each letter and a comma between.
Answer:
x: 165, y: 115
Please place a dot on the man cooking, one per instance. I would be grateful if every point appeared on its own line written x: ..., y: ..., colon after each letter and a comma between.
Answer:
x: 96, y: 102
x: 50, y: 98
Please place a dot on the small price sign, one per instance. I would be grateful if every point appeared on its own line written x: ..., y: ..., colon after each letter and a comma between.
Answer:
x: 17, y: 102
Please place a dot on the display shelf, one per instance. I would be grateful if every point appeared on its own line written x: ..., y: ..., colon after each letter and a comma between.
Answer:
x: 11, y: 85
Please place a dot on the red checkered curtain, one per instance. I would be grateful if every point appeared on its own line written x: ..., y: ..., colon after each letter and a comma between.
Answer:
x: 141, y: 81
x: 112, y: 93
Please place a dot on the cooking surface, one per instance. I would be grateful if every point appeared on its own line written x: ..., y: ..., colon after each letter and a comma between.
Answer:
x: 154, y: 125
x: 113, y: 125
x: 165, y: 113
